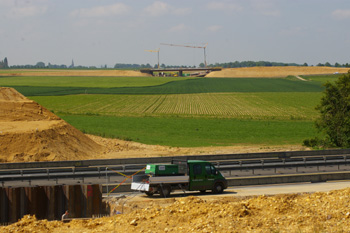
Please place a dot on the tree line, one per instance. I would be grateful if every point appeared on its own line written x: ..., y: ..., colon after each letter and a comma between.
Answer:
x: 237, y: 64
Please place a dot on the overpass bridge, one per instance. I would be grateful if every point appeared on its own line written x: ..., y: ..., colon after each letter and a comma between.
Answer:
x: 180, y: 71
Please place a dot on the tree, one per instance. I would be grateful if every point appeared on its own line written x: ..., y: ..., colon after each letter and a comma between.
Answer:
x: 334, y: 120
x: 6, y: 64
x: 40, y: 64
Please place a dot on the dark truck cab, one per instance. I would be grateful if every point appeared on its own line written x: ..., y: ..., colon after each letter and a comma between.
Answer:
x: 191, y: 175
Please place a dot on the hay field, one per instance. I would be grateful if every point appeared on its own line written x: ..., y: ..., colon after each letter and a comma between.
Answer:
x: 275, y: 71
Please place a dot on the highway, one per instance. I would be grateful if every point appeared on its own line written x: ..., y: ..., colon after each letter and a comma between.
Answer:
x: 232, y: 167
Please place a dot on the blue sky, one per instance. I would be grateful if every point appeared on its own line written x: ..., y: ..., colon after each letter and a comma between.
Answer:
x: 106, y: 32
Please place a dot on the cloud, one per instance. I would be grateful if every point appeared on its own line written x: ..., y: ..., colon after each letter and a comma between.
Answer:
x: 29, y: 11
x: 102, y: 11
x: 179, y: 28
x: 292, y: 31
x: 160, y: 8
x: 224, y: 6
x: 341, y: 14
x: 267, y: 7
x: 214, y: 28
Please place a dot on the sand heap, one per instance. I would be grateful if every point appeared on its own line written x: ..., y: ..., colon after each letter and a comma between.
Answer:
x: 29, y: 132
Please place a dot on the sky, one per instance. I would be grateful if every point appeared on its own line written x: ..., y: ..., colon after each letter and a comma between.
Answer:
x: 106, y: 32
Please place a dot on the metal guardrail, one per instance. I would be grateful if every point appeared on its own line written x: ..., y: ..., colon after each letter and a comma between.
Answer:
x: 229, y: 167
x: 221, y: 157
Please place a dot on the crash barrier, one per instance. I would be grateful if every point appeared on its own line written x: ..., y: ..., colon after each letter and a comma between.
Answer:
x: 166, y: 159
x: 264, y: 180
x: 50, y: 202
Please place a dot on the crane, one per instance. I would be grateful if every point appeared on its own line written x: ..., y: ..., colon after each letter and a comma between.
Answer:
x: 190, y: 46
x: 155, y: 51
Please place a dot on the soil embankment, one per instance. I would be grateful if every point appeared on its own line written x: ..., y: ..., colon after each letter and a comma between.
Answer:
x: 29, y: 132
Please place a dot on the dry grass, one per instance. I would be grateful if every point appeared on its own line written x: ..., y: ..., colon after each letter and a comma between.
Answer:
x: 283, y: 71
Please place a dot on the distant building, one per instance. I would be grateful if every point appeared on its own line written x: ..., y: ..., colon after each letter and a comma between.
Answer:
x: 72, y: 65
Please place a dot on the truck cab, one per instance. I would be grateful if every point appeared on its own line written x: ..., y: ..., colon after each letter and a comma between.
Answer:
x: 204, y: 176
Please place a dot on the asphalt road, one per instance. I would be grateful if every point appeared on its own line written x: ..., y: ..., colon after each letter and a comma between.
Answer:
x: 247, y: 191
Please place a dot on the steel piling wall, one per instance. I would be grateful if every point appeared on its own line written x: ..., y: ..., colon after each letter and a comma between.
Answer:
x: 50, y: 202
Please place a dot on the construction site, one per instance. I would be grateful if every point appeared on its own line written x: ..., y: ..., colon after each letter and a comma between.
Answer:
x: 31, y: 133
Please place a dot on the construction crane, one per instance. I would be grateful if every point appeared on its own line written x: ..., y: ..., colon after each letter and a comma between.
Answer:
x: 190, y: 46
x: 155, y: 51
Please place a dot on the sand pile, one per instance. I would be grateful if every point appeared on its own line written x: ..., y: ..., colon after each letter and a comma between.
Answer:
x: 317, y: 212
x: 29, y: 132
x: 275, y: 71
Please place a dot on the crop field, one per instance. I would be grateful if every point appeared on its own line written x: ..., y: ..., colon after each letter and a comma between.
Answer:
x: 266, y: 105
x: 182, y: 111
x: 162, y: 86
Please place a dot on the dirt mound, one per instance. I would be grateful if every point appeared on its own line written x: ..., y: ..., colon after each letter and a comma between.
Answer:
x: 29, y: 132
x: 317, y: 212
x: 97, y: 73
x: 275, y: 71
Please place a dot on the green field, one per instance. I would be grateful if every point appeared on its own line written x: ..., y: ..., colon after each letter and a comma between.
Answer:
x: 182, y: 111
x: 258, y: 105
x: 193, y: 132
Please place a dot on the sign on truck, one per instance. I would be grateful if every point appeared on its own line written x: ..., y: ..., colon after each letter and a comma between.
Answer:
x: 191, y: 175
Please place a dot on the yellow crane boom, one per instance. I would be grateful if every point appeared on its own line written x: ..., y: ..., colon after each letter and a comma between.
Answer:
x: 192, y: 46
x: 155, y: 51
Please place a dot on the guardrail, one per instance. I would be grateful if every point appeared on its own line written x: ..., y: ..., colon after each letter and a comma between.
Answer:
x: 111, y: 162
x: 231, y: 168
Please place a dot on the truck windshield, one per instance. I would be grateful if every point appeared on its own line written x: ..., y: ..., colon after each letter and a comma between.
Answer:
x: 210, y: 169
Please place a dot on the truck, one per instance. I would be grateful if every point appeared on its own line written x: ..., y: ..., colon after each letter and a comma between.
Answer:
x: 189, y: 175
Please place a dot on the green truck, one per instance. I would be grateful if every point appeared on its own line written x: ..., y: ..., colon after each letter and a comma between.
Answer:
x: 190, y: 175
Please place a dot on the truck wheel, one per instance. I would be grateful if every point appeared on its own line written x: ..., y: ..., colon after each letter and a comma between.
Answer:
x: 150, y: 194
x: 218, y: 188
x: 165, y: 190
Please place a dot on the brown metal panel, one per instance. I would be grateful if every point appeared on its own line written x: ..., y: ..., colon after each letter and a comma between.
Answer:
x: 4, y: 206
x: 51, y: 202
x: 61, y: 200
x: 96, y: 199
x: 14, y: 195
x: 23, y: 202
x: 89, y: 200
x: 71, y: 201
x: 78, y: 200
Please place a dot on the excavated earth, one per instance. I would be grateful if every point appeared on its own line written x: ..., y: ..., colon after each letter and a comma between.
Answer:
x: 316, y: 212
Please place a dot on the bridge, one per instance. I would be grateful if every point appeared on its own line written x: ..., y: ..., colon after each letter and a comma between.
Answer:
x: 180, y: 71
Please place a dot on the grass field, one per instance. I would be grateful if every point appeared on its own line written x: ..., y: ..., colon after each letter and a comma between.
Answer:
x: 190, y: 132
x: 182, y: 111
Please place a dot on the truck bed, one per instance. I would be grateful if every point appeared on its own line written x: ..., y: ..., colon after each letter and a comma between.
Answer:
x: 142, y: 183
